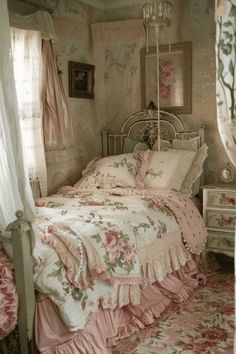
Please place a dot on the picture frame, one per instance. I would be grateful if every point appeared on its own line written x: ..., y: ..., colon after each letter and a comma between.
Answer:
x: 81, y: 80
x: 227, y: 174
x: 175, y: 73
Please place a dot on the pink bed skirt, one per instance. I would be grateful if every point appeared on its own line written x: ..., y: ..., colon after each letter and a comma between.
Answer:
x: 8, y: 296
x: 105, y: 327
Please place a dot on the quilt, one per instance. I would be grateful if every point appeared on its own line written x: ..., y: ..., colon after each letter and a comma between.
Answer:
x: 100, y: 247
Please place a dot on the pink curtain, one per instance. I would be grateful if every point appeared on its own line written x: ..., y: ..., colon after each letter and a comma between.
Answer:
x: 57, y: 124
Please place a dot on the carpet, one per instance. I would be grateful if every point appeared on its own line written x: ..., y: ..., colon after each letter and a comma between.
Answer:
x: 203, y: 324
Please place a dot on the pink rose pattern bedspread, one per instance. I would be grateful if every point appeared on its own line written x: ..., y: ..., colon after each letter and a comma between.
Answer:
x: 101, y: 246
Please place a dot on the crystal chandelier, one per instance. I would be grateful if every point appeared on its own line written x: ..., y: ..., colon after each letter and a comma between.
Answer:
x: 156, y: 15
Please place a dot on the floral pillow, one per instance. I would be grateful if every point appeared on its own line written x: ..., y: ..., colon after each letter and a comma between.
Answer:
x: 168, y: 169
x: 125, y: 170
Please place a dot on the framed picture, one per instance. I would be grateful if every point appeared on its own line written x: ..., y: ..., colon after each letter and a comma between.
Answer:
x: 81, y: 80
x: 175, y: 77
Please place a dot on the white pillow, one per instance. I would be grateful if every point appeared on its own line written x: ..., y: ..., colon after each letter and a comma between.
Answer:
x: 195, y: 171
x: 186, y: 144
x: 165, y: 144
x: 140, y: 147
x: 125, y: 170
x: 168, y: 169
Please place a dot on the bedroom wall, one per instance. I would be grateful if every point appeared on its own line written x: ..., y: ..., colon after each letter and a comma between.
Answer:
x: 191, y: 21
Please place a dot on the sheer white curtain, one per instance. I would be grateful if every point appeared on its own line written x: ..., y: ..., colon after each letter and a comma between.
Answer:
x: 15, y: 192
x: 226, y: 75
x: 27, y: 59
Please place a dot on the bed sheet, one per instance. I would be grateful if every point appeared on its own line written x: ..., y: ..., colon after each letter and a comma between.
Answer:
x: 100, y: 247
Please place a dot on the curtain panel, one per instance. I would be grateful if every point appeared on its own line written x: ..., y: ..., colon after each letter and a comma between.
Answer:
x: 27, y: 59
x: 15, y: 192
x: 40, y: 21
x: 226, y: 75
x: 57, y: 123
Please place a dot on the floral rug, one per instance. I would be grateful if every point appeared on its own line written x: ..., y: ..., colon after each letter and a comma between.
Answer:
x: 204, y: 324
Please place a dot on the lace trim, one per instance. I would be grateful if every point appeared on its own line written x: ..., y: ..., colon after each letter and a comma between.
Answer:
x: 195, y: 171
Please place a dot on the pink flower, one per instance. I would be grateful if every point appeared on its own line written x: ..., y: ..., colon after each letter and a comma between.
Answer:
x: 112, y: 238
x: 129, y: 253
x: 188, y: 346
x: 227, y: 309
x: 202, y: 347
x: 165, y: 91
x: 113, y: 255
x: 94, y: 202
x: 113, y: 246
x: 214, y: 333
x: 40, y: 203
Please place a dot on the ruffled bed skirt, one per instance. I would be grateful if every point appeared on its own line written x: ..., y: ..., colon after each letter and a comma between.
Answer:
x: 8, y: 296
x: 105, y: 327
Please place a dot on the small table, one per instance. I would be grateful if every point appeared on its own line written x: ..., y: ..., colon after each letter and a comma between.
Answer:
x: 219, y: 214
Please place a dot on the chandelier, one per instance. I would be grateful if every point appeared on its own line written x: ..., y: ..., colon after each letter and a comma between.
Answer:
x: 156, y: 15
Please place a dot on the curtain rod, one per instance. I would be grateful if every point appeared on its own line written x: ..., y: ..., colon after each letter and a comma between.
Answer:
x: 38, y: 6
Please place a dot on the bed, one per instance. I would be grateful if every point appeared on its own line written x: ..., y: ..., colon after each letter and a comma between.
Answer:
x: 114, y: 250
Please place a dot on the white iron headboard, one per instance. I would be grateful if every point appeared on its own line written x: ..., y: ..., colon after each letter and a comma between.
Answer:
x: 143, y: 127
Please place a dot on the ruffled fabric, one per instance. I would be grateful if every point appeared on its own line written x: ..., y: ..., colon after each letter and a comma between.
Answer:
x: 105, y: 327
x: 194, y: 233
x: 8, y: 296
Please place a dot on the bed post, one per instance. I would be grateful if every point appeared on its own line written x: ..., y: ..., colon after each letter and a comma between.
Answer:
x: 105, y: 144
x: 22, y: 251
x: 201, y: 132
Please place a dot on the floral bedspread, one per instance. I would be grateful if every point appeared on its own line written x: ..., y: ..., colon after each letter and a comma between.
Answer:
x: 100, y: 247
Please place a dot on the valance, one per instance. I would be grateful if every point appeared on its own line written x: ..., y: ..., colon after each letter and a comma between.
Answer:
x: 38, y: 21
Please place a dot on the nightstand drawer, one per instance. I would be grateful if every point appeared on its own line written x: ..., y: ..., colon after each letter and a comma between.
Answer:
x: 220, y: 220
x: 221, y: 199
x: 221, y: 242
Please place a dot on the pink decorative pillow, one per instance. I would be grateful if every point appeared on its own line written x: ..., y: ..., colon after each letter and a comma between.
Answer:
x: 168, y: 169
x: 126, y: 170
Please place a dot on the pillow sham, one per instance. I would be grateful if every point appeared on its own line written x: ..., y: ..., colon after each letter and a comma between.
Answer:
x: 165, y: 145
x: 194, y: 172
x: 189, y: 144
x: 125, y: 170
x: 129, y: 145
x: 186, y: 144
x: 168, y: 169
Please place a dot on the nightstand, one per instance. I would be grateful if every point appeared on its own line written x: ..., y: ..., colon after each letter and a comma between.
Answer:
x: 219, y: 214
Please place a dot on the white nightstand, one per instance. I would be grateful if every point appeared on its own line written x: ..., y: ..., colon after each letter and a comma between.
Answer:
x: 219, y: 214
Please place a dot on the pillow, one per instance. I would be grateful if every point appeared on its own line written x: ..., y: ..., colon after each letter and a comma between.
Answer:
x: 165, y: 144
x: 126, y: 170
x: 195, y: 171
x: 129, y: 145
x: 133, y: 145
x: 168, y: 169
x: 190, y: 144
x: 140, y: 147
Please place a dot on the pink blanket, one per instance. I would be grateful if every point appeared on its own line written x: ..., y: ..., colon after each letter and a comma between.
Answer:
x: 8, y: 296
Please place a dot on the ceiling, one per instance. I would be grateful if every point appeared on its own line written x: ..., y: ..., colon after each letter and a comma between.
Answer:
x: 111, y: 4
